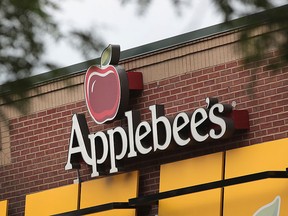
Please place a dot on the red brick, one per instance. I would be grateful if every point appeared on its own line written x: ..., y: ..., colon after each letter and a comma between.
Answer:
x: 163, y: 82
x: 197, y: 73
x: 169, y: 87
x: 153, y: 97
x: 158, y: 89
x: 185, y: 76
x: 198, y: 85
x: 175, y: 79
x: 152, y: 85
x: 219, y: 67
x: 213, y: 75
x: 225, y: 72
x: 175, y: 91
x: 191, y: 81
x: 202, y: 78
x: 41, y: 114
x: 231, y: 64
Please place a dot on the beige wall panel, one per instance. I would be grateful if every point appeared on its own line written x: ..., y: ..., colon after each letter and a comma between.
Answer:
x: 186, y: 50
x: 212, y: 56
x: 206, y: 58
x: 197, y: 61
x: 185, y: 64
x: 191, y: 172
x: 200, y: 54
x: 4, y: 208
x: 5, y: 156
x: 172, y: 68
x: 194, y: 61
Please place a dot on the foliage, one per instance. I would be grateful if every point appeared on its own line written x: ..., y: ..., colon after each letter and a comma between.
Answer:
x: 25, y: 24
x: 24, y: 27
x: 254, y: 46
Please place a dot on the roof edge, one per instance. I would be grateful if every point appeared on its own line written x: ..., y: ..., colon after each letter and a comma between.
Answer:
x: 149, y: 48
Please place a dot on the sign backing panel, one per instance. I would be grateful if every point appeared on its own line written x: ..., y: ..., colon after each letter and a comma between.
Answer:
x: 117, y: 188
x: 52, y: 201
x: 266, y: 197
x: 191, y: 172
x: 4, y: 207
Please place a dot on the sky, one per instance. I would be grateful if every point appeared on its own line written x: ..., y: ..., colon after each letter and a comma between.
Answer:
x: 121, y: 24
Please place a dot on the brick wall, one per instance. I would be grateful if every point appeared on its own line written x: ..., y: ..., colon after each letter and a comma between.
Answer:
x: 39, y: 141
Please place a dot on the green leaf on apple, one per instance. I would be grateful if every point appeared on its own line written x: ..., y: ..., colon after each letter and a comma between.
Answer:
x: 110, y: 55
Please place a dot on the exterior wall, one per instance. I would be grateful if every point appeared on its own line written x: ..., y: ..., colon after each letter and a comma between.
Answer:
x: 35, y: 145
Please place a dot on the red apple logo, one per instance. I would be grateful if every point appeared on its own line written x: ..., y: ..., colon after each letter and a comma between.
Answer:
x: 106, y: 87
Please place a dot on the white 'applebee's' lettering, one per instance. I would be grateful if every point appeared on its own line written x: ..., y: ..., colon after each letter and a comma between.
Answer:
x: 145, y: 137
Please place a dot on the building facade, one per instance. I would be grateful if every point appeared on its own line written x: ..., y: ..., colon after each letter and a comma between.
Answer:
x: 178, y: 73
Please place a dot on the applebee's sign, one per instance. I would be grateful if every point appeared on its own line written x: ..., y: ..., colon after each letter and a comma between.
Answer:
x: 216, y: 121
x: 107, y: 148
